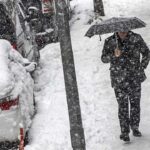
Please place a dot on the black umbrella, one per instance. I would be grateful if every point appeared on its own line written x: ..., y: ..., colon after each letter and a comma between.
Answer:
x: 115, y: 25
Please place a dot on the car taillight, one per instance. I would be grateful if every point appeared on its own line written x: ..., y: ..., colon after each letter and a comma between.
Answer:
x: 14, y: 45
x: 7, y: 104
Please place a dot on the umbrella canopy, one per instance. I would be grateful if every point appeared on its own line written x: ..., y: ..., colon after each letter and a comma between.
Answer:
x: 115, y: 25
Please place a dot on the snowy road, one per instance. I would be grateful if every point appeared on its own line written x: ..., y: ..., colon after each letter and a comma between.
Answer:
x: 50, y: 129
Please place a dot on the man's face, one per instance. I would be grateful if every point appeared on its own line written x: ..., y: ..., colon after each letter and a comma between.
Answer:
x: 122, y: 35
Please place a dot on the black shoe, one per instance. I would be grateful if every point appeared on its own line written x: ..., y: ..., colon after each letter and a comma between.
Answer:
x: 125, y: 137
x: 137, y: 133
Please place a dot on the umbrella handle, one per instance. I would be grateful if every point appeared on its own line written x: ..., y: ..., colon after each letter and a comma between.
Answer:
x: 116, y: 40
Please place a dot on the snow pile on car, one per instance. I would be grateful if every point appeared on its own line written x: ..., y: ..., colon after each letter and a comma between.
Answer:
x: 7, y: 81
x: 15, y: 82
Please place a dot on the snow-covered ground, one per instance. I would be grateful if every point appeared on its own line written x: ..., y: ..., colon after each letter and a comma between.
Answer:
x: 50, y: 128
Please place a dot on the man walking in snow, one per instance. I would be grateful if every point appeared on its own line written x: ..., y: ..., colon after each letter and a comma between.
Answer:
x: 123, y: 50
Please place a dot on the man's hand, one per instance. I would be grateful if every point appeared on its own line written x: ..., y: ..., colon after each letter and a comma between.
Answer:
x: 117, y: 52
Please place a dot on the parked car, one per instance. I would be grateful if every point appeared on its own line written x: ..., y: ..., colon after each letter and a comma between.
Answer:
x: 16, y: 96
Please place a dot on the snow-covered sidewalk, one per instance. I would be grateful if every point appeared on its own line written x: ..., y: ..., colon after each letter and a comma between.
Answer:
x: 50, y: 129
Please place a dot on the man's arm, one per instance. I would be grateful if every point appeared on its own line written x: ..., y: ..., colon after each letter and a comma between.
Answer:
x: 145, y: 53
x: 106, y: 52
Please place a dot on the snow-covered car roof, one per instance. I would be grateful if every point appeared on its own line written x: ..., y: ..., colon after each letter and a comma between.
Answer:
x: 7, y: 80
x: 11, y: 68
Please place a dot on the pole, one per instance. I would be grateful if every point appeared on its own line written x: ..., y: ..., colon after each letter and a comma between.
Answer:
x: 76, y: 128
x: 98, y: 7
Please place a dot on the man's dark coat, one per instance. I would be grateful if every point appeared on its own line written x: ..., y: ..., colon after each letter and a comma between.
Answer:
x: 132, y: 62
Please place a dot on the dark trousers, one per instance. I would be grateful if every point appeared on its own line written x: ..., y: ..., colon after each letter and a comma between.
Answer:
x: 128, y: 97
